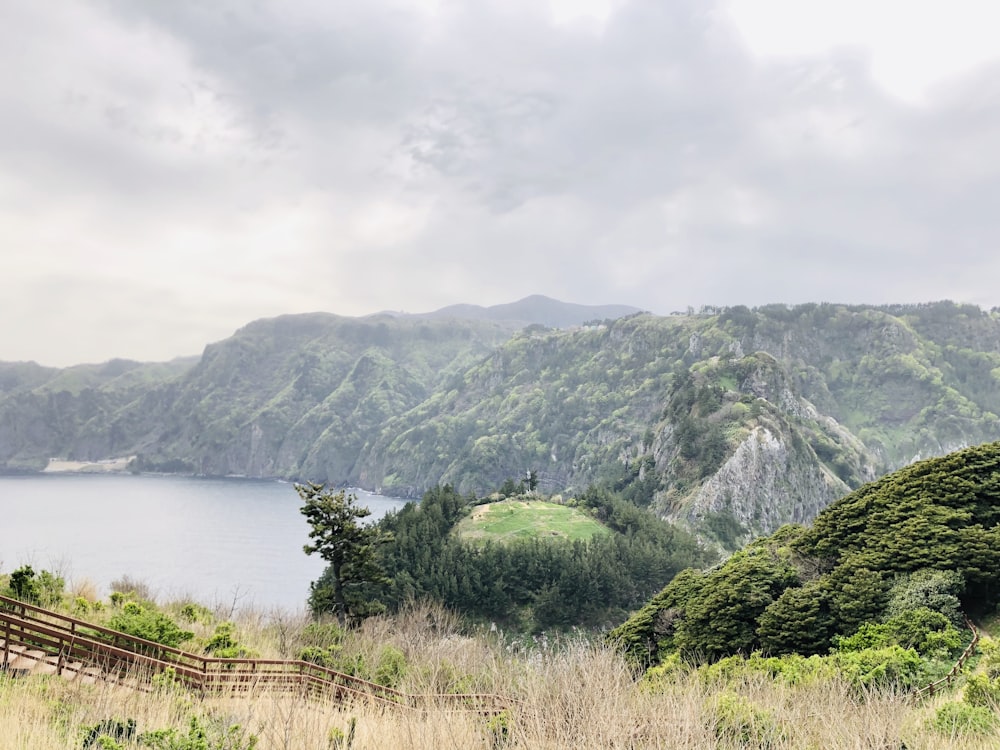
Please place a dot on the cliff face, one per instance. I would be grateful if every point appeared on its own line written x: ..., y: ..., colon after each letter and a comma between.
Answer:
x: 740, y: 452
x: 733, y: 420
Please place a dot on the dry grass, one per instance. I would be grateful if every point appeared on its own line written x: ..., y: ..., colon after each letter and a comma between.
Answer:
x: 572, y: 695
x: 83, y: 588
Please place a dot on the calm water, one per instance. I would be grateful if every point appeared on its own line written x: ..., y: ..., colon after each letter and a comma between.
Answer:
x: 213, y: 539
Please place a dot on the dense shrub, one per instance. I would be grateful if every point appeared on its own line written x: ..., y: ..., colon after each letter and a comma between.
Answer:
x: 204, y: 734
x: 983, y: 691
x: 391, y: 667
x: 44, y: 589
x: 889, y: 667
x: 223, y: 643
x: 961, y: 719
x: 928, y: 632
x: 737, y: 723
x: 143, y: 622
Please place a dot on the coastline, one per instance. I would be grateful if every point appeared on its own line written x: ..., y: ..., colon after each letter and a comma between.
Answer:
x: 105, y: 466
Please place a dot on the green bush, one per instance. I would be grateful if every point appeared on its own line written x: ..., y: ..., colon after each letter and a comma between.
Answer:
x: 44, y: 589
x: 322, y: 634
x: 990, y: 659
x: 498, y: 730
x: 341, y: 740
x: 983, y: 692
x: 665, y: 673
x: 737, y: 723
x: 960, y: 719
x: 892, y: 667
x: 324, y: 657
x: 192, y: 612
x: 936, y: 590
x: 108, y: 734
x: 391, y: 667
x: 334, y: 658
x: 926, y: 631
x: 134, y: 619
x: 223, y: 643
x: 206, y: 734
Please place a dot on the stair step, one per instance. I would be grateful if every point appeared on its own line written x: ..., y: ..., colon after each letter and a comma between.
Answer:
x: 71, y: 670
x: 90, y: 675
x: 43, y: 668
x: 14, y: 649
x: 25, y: 658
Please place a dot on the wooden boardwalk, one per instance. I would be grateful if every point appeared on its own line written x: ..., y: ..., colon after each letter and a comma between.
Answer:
x: 34, y: 640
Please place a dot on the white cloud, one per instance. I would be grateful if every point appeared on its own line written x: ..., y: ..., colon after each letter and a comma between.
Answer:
x: 912, y: 46
x: 174, y: 170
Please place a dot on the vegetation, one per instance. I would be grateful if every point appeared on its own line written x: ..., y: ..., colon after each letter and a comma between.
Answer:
x: 44, y: 588
x: 144, y: 621
x: 535, y: 582
x: 794, y: 641
x: 873, y: 590
x: 353, y: 578
x: 570, y: 693
x: 520, y: 519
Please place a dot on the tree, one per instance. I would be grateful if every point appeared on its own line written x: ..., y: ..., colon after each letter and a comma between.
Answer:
x: 348, y: 588
x: 798, y: 621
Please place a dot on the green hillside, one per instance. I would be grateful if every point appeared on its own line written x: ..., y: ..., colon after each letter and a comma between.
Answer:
x: 926, y: 536
x: 732, y: 421
x: 536, y: 567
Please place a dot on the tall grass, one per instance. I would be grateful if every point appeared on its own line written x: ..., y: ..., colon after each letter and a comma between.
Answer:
x: 570, y: 693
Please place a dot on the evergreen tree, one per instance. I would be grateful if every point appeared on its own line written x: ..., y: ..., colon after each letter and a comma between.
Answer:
x: 354, y: 575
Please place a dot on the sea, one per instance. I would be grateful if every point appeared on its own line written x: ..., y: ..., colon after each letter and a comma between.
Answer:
x: 234, y: 544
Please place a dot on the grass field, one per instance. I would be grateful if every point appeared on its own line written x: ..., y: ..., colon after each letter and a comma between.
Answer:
x: 519, y: 519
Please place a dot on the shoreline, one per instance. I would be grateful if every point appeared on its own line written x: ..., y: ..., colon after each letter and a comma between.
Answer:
x: 105, y: 466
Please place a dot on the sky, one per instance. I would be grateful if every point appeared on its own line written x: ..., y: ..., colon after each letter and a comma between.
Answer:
x: 170, y: 171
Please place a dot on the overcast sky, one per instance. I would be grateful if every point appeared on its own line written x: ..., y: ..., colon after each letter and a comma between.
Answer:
x: 171, y: 170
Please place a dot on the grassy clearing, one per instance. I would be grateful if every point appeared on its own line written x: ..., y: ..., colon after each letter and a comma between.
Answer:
x: 520, y: 519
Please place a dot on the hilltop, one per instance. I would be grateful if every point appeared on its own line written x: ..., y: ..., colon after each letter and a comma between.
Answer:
x: 527, y: 519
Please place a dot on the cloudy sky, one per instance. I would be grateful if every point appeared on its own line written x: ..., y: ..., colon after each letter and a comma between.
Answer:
x: 170, y: 171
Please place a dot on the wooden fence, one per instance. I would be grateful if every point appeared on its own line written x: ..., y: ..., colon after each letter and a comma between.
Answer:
x: 73, y: 645
x: 947, y: 680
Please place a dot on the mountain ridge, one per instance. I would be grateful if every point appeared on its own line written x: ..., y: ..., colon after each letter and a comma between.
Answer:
x: 732, y: 421
x: 535, y: 309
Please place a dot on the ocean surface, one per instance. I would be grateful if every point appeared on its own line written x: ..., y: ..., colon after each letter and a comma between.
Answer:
x: 224, y: 542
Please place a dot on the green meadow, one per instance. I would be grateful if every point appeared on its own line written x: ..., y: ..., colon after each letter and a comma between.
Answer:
x: 519, y: 519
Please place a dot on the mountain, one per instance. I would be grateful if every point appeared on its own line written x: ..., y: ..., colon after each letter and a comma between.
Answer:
x: 733, y: 421
x: 535, y: 310
x: 736, y: 421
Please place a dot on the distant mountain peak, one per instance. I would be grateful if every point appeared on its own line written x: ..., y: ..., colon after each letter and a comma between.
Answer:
x: 535, y: 309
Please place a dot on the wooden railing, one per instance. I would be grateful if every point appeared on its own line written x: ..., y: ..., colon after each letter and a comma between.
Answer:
x: 65, y: 641
x: 929, y: 690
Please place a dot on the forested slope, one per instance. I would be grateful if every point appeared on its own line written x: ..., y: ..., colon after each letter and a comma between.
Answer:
x: 926, y: 536
x: 732, y: 420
